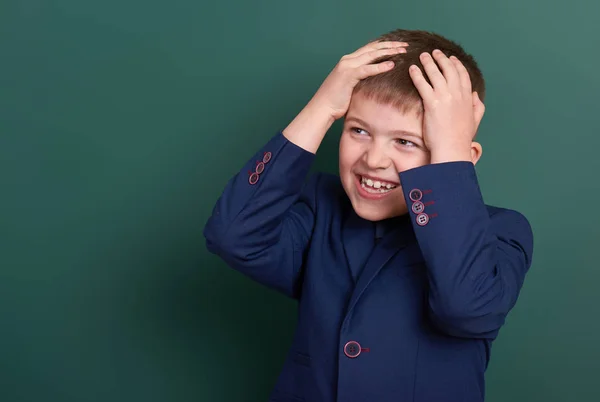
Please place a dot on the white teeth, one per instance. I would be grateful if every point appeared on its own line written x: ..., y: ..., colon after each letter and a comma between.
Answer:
x: 376, y: 186
x: 374, y: 190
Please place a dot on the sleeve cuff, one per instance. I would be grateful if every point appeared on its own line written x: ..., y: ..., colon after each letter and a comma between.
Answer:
x: 442, y: 192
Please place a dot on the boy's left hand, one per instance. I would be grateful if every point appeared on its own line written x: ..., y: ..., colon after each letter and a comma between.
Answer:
x: 452, y: 112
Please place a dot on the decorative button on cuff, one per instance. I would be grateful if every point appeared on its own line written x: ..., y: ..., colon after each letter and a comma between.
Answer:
x: 418, y: 207
x: 253, y: 179
x: 415, y: 195
x: 422, y: 219
x: 260, y: 167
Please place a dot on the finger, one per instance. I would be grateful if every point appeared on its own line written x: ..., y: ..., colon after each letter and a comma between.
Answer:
x: 376, y: 46
x: 425, y: 90
x: 465, y: 79
x: 387, y: 43
x: 478, y: 109
x: 369, y: 57
x: 368, y: 70
x: 448, y: 69
x: 433, y: 72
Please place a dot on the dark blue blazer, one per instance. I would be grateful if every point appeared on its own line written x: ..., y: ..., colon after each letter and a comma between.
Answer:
x: 400, y: 310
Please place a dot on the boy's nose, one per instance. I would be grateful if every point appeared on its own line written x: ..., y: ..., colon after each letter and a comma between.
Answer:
x: 376, y: 158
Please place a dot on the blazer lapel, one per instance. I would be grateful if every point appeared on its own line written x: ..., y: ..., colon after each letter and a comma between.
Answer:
x: 358, y: 239
x: 394, y: 241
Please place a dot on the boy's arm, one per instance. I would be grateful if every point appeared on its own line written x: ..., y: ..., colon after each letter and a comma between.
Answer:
x: 262, y: 223
x: 476, y: 263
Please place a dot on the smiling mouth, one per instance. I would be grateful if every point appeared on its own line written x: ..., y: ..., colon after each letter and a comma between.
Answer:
x: 376, y: 187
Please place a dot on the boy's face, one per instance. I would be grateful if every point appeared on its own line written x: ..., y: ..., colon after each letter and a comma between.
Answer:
x: 378, y: 141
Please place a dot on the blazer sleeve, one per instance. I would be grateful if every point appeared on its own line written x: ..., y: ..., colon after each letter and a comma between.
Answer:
x: 262, y: 223
x: 476, y: 261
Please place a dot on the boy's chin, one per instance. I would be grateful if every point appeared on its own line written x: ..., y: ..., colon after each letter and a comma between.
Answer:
x: 374, y: 214
x: 375, y: 210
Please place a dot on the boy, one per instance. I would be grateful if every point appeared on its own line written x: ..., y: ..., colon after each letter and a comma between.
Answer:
x: 403, y: 275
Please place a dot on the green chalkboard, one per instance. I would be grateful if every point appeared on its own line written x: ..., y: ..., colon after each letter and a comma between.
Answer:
x: 121, y: 121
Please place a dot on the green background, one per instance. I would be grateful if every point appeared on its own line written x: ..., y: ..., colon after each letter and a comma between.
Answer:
x: 120, y: 122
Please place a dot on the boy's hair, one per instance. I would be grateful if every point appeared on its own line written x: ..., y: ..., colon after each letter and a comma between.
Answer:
x: 395, y: 87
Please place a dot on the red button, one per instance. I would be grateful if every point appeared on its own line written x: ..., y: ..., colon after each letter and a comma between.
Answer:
x: 418, y: 207
x: 260, y: 167
x: 352, y: 349
x: 415, y: 194
x: 422, y: 219
x: 253, y: 179
x: 267, y: 157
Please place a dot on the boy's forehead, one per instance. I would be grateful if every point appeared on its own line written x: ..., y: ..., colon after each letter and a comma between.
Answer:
x: 382, y: 116
x: 368, y: 104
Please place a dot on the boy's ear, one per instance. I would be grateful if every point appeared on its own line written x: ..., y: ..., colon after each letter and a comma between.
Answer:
x: 476, y: 151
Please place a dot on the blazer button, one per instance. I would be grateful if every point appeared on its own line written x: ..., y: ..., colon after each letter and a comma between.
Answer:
x: 418, y: 207
x: 422, y: 219
x: 253, y: 179
x: 260, y: 167
x: 352, y: 349
x: 415, y: 195
x: 267, y: 157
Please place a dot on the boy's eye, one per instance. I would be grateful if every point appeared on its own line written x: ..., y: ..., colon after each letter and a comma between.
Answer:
x: 358, y: 130
x: 406, y: 143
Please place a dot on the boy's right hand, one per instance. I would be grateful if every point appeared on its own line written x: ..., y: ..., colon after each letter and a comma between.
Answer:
x: 336, y: 91
x: 332, y: 99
